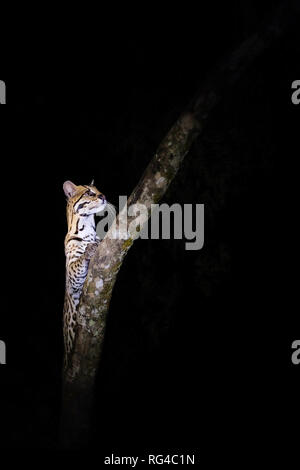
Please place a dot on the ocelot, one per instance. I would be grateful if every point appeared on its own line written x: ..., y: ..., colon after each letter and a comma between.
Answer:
x: 81, y: 242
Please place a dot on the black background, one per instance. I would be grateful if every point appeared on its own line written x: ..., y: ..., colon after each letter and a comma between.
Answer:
x: 198, y: 344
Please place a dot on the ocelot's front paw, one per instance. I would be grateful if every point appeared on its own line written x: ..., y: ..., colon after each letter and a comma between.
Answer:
x: 91, y: 250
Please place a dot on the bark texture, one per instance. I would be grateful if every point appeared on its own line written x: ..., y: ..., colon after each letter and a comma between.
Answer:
x: 78, y: 380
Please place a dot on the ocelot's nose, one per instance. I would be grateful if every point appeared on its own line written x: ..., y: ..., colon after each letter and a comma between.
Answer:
x: 102, y: 197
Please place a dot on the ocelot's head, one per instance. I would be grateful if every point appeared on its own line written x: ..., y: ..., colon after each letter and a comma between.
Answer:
x: 84, y: 200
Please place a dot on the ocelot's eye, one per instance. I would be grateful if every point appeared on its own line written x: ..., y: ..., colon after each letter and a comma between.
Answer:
x: 90, y: 193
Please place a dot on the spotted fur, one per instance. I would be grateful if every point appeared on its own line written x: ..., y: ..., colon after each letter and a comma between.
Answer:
x: 81, y: 241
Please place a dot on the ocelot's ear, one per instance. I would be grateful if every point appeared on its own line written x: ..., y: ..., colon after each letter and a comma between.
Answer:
x: 69, y: 188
